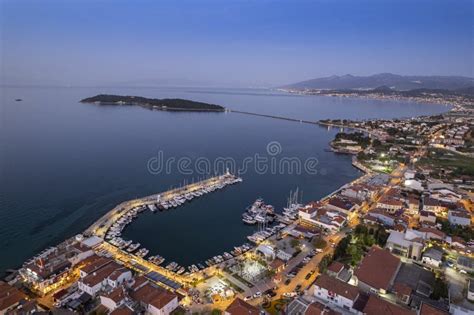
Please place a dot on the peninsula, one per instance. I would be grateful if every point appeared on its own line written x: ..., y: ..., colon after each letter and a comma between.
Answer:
x: 171, y: 104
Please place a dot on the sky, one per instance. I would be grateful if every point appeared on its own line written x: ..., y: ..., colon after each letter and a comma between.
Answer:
x: 239, y: 43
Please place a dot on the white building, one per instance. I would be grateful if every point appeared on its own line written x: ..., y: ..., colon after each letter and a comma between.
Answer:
x: 113, y: 299
x: 336, y: 292
x: 155, y: 300
x: 432, y: 257
x: 408, y: 244
x: 110, y: 275
x: 459, y: 218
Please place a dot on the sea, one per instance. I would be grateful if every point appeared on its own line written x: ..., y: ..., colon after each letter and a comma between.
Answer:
x: 63, y: 164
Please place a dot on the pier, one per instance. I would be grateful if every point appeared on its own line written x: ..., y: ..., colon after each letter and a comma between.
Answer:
x: 276, y: 117
x: 100, y: 227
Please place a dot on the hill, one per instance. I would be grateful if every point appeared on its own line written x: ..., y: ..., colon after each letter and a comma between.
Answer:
x: 389, y: 80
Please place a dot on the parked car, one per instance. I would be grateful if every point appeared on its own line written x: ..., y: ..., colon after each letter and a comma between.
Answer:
x: 257, y: 295
x: 289, y: 294
x: 248, y: 298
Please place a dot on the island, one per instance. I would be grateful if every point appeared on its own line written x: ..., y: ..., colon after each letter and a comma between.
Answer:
x: 170, y: 104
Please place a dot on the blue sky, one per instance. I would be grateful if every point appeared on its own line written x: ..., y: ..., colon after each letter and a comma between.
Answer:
x: 230, y: 43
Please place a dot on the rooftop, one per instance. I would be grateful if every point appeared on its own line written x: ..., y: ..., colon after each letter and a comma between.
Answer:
x: 339, y: 287
x: 377, y: 306
x: 378, y: 268
x: 335, y: 266
x: 240, y: 307
x: 427, y: 309
x: 9, y: 295
x: 153, y: 295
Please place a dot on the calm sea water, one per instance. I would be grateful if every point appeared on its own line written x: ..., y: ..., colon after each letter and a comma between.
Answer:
x: 64, y: 164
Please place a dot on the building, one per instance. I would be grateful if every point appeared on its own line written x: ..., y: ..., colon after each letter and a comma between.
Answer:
x: 470, y: 290
x: 465, y: 263
x: 114, y: 299
x: 358, y: 191
x: 123, y: 310
x: 432, y: 257
x: 343, y: 204
x: 10, y: 297
x: 93, y: 264
x: 266, y: 251
x: 390, y: 204
x: 433, y: 233
x: 459, y: 218
x: 322, y: 217
x: 413, y: 205
x: 335, y: 292
x: 335, y: 268
x: 382, y: 216
x: 407, y: 244
x: 300, y: 306
x: 427, y: 217
x: 240, y: 307
x: 377, y: 271
x: 377, y: 306
x: 153, y: 299
x: 426, y: 309
x: 277, y: 265
x: 434, y: 205
x: 47, y: 270
x: 403, y: 292
x: 108, y: 276
x: 445, y: 195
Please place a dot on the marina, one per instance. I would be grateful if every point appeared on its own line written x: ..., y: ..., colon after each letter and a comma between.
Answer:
x: 110, y: 226
x: 263, y: 215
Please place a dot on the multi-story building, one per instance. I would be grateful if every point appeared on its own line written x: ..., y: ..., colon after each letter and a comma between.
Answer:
x: 407, y: 244
x: 377, y: 271
x: 459, y: 217
x: 336, y: 292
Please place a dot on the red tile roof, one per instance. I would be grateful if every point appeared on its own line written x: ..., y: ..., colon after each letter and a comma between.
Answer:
x: 427, y: 309
x: 240, y: 307
x: 123, y: 310
x: 402, y: 289
x: 116, y: 295
x: 9, y: 296
x: 435, y: 231
x: 101, y: 274
x: 94, y: 263
x: 277, y: 263
x: 377, y: 306
x: 378, y: 268
x: 337, y: 286
x: 315, y: 308
x: 153, y: 295
x: 335, y: 266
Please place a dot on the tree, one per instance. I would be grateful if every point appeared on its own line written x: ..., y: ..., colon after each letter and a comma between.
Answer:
x: 360, y: 229
x: 440, y: 289
x: 324, y: 263
x: 342, y: 247
x: 319, y: 242
x: 294, y: 243
x: 355, y: 252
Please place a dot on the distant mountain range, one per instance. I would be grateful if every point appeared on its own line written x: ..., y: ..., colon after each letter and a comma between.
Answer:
x: 392, y: 81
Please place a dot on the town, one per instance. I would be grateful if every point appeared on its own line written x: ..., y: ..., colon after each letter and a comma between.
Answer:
x: 397, y: 240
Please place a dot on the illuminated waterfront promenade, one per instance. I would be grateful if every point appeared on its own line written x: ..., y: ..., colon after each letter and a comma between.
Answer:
x: 100, y: 227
